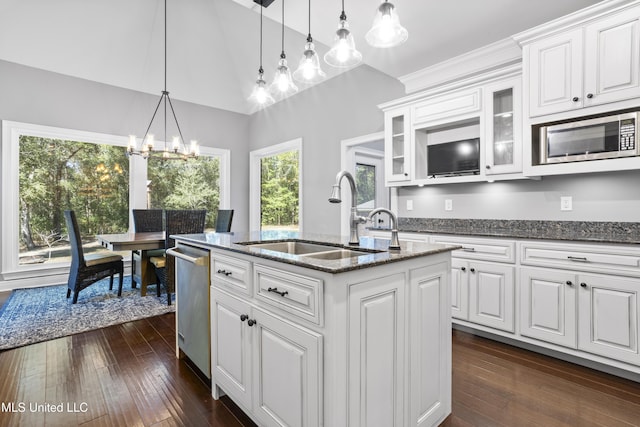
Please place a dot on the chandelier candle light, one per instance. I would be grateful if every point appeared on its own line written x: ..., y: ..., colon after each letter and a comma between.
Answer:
x: 260, y: 95
x: 343, y: 53
x: 148, y: 143
x: 386, y: 30
x: 309, y: 70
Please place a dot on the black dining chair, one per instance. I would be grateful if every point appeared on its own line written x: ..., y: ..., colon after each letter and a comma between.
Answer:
x: 86, y: 270
x: 144, y: 221
x: 175, y: 222
x: 223, y: 221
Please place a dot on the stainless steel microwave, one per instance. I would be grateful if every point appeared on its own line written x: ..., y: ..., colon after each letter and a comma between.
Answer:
x: 607, y: 137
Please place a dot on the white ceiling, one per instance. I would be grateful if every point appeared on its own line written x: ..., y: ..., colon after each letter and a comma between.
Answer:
x: 213, y: 44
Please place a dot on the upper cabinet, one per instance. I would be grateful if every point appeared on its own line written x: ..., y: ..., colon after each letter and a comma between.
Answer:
x: 590, y: 65
x: 503, y: 127
x: 397, y: 145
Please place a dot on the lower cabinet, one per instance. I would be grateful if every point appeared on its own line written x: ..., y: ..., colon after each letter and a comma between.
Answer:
x: 483, y: 293
x: 591, y: 312
x: 267, y: 364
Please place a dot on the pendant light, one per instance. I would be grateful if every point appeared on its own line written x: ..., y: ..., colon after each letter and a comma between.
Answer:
x: 309, y: 70
x: 260, y: 95
x: 282, y: 82
x: 148, y: 143
x: 386, y: 30
x: 343, y: 53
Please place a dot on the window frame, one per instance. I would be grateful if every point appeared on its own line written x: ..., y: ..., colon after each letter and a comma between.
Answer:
x: 255, y: 156
x: 31, y: 274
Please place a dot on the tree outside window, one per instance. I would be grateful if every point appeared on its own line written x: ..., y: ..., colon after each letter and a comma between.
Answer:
x: 279, y: 186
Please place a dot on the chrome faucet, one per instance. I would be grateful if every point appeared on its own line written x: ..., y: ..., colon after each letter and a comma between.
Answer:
x: 354, y: 219
x: 395, y: 242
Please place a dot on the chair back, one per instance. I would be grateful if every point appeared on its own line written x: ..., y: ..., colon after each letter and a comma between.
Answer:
x: 147, y: 220
x: 75, y: 239
x: 180, y: 222
x: 223, y: 221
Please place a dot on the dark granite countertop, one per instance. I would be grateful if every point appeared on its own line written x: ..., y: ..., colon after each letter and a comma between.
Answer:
x: 377, y: 250
x: 579, y: 231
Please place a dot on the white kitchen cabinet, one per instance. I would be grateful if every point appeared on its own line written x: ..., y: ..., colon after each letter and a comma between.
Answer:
x: 459, y: 289
x: 491, y: 294
x: 268, y: 365
x: 548, y: 308
x: 590, y: 65
x: 608, y: 313
x: 503, y: 127
x: 397, y: 145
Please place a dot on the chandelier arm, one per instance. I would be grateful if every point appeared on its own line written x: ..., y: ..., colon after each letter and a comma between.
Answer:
x: 154, y: 116
x: 176, y: 120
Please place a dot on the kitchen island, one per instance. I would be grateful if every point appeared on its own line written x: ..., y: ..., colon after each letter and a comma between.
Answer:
x: 309, y: 332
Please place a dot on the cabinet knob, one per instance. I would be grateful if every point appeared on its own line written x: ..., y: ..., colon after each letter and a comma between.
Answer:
x: 569, y: 282
x: 463, y: 268
x: 251, y: 322
x: 576, y: 99
x: 584, y: 285
x: 488, y: 166
x: 473, y: 270
x: 243, y: 317
x: 589, y: 95
x: 406, y: 174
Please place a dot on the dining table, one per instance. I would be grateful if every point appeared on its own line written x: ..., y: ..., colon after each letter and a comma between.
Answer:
x: 142, y: 272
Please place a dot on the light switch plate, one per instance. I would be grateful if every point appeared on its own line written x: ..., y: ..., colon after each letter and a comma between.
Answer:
x: 448, y: 205
x: 409, y: 205
x: 566, y: 203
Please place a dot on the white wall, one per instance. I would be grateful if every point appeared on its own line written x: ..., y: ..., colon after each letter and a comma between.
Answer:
x: 596, y: 197
x: 340, y: 108
x: 40, y: 97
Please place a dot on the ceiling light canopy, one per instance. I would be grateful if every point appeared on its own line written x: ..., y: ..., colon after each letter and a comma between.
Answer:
x: 148, y: 140
x: 343, y: 53
x: 309, y: 70
x: 386, y: 30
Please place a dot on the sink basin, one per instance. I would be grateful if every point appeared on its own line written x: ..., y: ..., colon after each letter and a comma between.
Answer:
x: 310, y: 249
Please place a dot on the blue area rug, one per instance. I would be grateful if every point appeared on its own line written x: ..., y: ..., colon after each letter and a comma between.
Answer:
x: 33, y: 315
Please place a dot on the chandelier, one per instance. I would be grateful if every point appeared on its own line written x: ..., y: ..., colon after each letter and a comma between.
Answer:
x: 178, y: 149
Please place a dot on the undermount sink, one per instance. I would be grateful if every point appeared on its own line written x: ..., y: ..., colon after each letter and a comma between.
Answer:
x: 310, y: 250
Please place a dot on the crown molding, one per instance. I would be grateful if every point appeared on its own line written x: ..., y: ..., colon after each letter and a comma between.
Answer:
x: 573, y: 20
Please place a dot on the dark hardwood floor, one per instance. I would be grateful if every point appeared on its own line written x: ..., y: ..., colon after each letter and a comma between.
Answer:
x: 127, y: 375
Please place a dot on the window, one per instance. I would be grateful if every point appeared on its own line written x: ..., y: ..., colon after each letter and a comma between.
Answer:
x: 275, y: 187
x: 46, y: 170
x: 366, y: 185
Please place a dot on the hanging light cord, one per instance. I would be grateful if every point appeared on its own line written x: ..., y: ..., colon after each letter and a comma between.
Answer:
x: 309, y: 38
x: 261, y: 70
x: 343, y: 16
x: 282, y: 55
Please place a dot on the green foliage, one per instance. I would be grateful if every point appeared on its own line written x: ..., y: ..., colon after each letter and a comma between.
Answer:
x: 366, y: 182
x: 279, y: 189
x: 192, y: 184
x: 56, y: 175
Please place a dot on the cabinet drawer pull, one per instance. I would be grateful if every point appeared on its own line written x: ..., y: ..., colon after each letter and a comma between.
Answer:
x: 181, y: 336
x: 276, y: 291
x: 225, y: 272
x: 251, y: 322
x: 468, y: 249
x: 584, y: 285
x: 243, y: 317
x: 577, y: 258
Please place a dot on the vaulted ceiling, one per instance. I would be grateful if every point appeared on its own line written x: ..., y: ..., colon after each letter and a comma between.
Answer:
x: 213, y: 45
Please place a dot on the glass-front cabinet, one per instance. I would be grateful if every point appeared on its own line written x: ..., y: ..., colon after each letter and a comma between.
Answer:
x: 503, y: 127
x: 397, y: 141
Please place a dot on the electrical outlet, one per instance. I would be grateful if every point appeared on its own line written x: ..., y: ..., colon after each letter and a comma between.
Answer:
x: 409, y: 205
x: 448, y: 205
x: 566, y: 203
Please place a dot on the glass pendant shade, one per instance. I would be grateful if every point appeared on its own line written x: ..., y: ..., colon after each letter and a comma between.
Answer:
x: 386, y: 30
x: 309, y: 70
x: 343, y: 53
x: 283, y: 84
x: 260, y: 95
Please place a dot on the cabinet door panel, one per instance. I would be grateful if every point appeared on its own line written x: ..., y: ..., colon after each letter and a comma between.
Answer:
x: 376, y: 348
x: 287, y: 367
x: 459, y: 289
x: 609, y: 317
x: 548, y: 306
x: 491, y: 295
x: 430, y: 346
x: 230, y: 347
x: 612, y: 59
x: 556, y: 74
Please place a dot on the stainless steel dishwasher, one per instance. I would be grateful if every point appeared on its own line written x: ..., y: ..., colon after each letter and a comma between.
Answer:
x: 192, y: 304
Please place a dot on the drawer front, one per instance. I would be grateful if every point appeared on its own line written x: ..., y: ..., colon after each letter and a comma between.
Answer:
x: 299, y: 295
x: 447, y: 106
x: 231, y: 273
x: 581, y: 257
x: 480, y: 249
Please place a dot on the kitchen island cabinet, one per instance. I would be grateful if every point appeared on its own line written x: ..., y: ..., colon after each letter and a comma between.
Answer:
x: 362, y: 340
